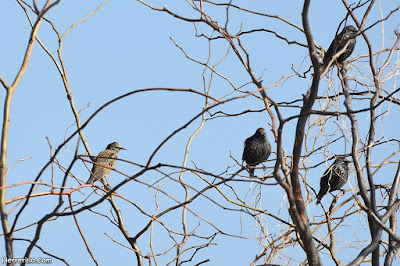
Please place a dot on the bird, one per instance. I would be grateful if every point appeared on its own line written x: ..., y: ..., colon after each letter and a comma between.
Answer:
x: 334, y: 177
x: 256, y: 149
x: 340, y: 41
x: 106, y: 158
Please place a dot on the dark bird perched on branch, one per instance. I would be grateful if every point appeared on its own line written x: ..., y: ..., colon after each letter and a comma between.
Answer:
x: 105, y: 158
x: 346, y: 36
x: 256, y: 149
x: 334, y: 177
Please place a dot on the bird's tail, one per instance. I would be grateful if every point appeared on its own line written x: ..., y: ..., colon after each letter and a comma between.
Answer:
x: 319, y: 197
x: 91, y: 180
x: 251, y: 171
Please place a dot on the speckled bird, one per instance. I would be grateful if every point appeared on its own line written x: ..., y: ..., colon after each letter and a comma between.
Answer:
x: 334, y: 178
x: 105, y: 158
x: 339, y: 43
x: 256, y: 149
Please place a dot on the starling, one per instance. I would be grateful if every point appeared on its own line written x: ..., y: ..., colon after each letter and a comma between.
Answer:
x: 104, y: 158
x: 256, y: 149
x: 339, y: 43
x: 334, y: 177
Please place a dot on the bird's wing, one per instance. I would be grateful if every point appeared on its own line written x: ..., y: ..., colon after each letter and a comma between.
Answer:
x: 337, y: 44
x: 326, y: 177
x: 330, y: 51
x: 104, y: 158
x: 247, y: 145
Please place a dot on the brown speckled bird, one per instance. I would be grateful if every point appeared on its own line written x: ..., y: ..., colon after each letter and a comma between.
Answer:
x: 105, y: 158
x: 340, y: 41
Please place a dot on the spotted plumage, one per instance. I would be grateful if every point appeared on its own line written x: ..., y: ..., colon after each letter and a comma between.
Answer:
x: 340, y: 41
x: 256, y: 149
x: 334, y: 178
x: 106, y: 158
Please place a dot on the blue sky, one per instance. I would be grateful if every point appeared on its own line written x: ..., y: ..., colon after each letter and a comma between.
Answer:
x: 126, y: 46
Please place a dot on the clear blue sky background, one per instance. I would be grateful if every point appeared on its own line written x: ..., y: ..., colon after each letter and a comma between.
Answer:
x: 126, y: 46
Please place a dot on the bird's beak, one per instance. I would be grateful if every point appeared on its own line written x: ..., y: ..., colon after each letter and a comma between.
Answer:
x: 122, y: 148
